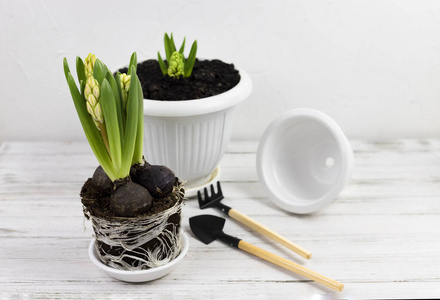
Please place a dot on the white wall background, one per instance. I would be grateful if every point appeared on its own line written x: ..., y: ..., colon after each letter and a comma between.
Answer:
x: 374, y: 66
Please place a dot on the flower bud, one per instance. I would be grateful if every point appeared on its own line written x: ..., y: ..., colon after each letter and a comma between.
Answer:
x: 90, y: 110
x: 92, y: 93
x: 98, y: 113
x: 125, y: 87
x: 92, y: 81
x: 89, y: 70
x: 96, y: 91
x: 92, y: 100
x: 89, y: 63
x: 125, y: 81
x: 87, y: 91
x: 176, y: 65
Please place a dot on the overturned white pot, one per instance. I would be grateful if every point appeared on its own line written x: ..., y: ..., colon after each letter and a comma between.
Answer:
x: 190, y: 136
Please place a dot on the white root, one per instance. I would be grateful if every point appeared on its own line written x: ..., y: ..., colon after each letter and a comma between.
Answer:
x: 129, y: 234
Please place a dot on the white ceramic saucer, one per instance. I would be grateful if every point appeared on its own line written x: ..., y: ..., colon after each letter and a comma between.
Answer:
x: 139, y: 276
x: 191, y: 191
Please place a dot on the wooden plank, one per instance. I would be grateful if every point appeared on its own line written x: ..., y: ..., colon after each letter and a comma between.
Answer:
x: 380, y: 237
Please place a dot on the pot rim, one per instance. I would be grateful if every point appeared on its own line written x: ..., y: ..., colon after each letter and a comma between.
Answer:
x: 183, y: 108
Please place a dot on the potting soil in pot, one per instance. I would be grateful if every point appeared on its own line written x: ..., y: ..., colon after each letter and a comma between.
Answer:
x: 150, y: 239
x: 208, y: 78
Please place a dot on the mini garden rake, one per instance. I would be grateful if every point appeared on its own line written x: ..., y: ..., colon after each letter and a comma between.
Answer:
x: 214, y: 200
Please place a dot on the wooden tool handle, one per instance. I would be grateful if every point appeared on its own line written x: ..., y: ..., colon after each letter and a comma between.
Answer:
x: 251, y: 223
x: 291, y: 266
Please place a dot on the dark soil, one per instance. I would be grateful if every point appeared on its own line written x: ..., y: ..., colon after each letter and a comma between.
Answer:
x: 98, y: 204
x: 103, y: 198
x: 208, y: 78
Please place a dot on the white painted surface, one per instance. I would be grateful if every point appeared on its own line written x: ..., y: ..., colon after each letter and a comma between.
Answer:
x: 374, y: 66
x: 380, y: 237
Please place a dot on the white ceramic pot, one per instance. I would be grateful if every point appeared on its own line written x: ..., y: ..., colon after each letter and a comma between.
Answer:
x: 304, y: 160
x: 190, y: 136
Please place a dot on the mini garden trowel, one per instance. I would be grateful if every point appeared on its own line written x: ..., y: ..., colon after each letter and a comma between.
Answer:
x: 214, y: 201
x: 208, y: 228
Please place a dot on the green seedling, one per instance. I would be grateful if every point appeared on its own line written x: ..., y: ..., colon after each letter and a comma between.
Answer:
x: 111, y: 113
x: 176, y: 64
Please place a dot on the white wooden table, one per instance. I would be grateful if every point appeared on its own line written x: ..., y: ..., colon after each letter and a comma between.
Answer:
x: 381, y: 237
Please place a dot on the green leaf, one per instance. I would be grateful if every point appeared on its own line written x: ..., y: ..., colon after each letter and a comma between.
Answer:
x: 189, y: 64
x: 138, y: 150
x: 66, y: 68
x: 92, y: 133
x: 168, y: 47
x: 182, y: 48
x: 130, y: 129
x: 118, y: 101
x: 82, y: 86
x: 133, y: 62
x: 162, y: 64
x: 80, y: 70
x: 172, y: 44
x: 99, y: 71
x: 118, y: 84
x: 108, y: 105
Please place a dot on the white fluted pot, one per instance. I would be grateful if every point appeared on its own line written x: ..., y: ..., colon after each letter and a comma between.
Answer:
x: 190, y: 136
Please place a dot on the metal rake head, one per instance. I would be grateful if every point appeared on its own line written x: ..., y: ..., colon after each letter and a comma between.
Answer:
x: 209, y: 201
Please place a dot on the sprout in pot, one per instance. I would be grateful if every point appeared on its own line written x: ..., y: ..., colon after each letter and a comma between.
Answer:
x: 178, y: 65
x: 184, y: 78
x: 135, y: 208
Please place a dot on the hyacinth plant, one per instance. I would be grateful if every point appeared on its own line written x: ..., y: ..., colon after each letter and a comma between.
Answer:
x: 177, y: 65
x: 110, y: 109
